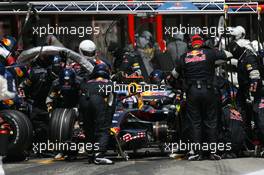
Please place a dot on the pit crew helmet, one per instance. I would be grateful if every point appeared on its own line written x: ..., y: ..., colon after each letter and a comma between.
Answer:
x: 87, y: 48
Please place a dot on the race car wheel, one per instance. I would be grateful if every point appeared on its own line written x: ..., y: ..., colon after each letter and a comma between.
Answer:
x: 21, y: 133
x: 62, y: 124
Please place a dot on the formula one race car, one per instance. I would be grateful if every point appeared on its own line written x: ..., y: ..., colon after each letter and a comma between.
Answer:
x: 141, y: 120
x: 146, y: 119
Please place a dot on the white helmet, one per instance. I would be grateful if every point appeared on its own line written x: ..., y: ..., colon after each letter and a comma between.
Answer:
x: 238, y: 32
x: 87, y: 48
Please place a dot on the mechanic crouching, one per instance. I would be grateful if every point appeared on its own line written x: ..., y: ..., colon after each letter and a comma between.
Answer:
x: 64, y: 91
x: 197, y: 68
x: 96, y: 109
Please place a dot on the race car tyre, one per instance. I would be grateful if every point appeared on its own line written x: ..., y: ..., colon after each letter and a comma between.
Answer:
x: 21, y: 134
x: 62, y: 124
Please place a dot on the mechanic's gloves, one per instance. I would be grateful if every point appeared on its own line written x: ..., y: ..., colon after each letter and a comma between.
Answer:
x: 253, y: 85
x: 173, y: 82
x: 49, y: 107
x: 118, y: 76
x: 228, y: 54
x: 21, y: 92
x: 169, y: 80
x: 254, y: 76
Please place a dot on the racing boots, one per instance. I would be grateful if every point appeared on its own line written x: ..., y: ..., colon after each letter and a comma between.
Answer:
x: 214, y: 157
x: 201, y: 156
x: 195, y: 157
x: 100, y: 159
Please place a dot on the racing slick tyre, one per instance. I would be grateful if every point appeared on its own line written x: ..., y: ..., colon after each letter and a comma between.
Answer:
x: 62, y: 124
x: 21, y: 134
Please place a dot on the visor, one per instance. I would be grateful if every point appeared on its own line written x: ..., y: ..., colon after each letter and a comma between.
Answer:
x: 88, y: 54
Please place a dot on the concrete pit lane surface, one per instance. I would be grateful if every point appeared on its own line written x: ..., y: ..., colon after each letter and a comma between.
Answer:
x: 138, y: 166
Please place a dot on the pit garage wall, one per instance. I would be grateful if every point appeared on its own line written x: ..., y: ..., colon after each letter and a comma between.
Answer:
x: 10, y: 25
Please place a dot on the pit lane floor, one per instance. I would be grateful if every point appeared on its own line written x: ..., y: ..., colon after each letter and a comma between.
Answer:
x: 161, y: 165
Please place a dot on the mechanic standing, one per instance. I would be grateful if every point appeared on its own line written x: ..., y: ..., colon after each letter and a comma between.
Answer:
x: 96, y: 109
x: 35, y: 89
x: 116, y: 53
x: 197, y: 68
x: 249, y: 79
x: 177, y: 47
x: 88, y: 50
x: 129, y: 66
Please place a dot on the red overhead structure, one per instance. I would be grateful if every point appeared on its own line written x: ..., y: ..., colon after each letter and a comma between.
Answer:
x: 159, y: 33
x: 159, y: 30
x: 131, y: 28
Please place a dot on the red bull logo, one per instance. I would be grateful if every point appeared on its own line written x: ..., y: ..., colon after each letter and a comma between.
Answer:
x: 19, y: 72
x: 6, y: 41
x: 8, y: 102
x: 195, y: 56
